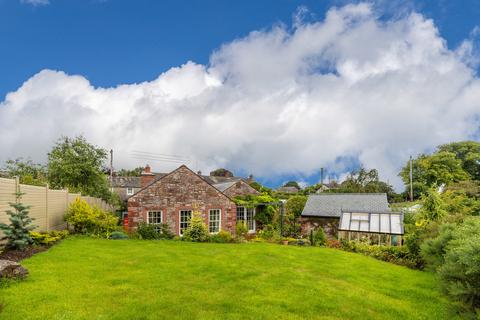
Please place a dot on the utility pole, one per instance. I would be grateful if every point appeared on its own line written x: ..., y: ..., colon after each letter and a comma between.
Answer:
x: 282, y: 214
x: 321, y: 176
x: 411, y: 180
x: 111, y: 168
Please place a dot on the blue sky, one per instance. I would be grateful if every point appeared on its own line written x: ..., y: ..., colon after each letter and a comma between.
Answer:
x: 114, y: 42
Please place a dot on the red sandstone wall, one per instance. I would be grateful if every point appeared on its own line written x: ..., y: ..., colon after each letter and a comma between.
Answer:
x: 180, y: 190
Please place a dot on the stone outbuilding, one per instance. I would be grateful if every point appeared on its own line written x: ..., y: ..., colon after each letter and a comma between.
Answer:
x: 171, y: 198
x: 325, y: 209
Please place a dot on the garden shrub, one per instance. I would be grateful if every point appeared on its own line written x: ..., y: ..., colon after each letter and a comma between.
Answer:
x: 80, y: 216
x: 222, y: 237
x: 433, y: 249
x: 241, y: 230
x: 147, y: 231
x: 48, y: 238
x: 197, y: 231
x: 460, y: 274
x: 269, y: 233
x: 105, y: 222
x: 318, y: 237
x: 118, y: 235
x: 396, y: 255
x: 17, y: 233
x: 88, y: 220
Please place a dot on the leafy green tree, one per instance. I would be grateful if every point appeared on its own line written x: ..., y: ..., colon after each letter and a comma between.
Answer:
x: 366, y: 181
x: 27, y: 171
x: 468, y: 152
x: 17, y: 233
x: 295, y: 205
x: 460, y: 274
x: 433, y: 206
x: 221, y: 172
x: 260, y: 188
x: 137, y: 172
x: 78, y: 165
x: 292, y: 184
x: 440, y: 168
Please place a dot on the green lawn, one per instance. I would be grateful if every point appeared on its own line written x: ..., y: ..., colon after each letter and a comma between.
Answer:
x: 84, y: 278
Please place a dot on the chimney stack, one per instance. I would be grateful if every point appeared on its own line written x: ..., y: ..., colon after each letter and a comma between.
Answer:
x: 250, y: 178
x: 146, y: 177
x: 199, y: 172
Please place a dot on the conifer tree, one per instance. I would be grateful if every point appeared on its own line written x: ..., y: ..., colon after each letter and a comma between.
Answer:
x: 17, y: 233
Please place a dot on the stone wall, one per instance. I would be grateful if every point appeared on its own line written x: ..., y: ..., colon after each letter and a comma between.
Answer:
x: 329, y: 225
x: 182, y: 189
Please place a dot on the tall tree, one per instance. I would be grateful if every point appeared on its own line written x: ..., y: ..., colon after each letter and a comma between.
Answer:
x: 439, y: 168
x: 137, y: 172
x: 292, y: 184
x: 468, y: 152
x: 27, y: 171
x: 17, y: 233
x: 365, y: 181
x: 75, y: 164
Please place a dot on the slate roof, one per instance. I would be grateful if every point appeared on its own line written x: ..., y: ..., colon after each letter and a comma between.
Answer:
x: 132, y: 182
x: 123, y: 182
x: 220, y: 180
x: 221, y: 183
x: 224, y: 185
x: 332, y: 204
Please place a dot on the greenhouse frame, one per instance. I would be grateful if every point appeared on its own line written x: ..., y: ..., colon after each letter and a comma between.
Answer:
x: 382, y: 228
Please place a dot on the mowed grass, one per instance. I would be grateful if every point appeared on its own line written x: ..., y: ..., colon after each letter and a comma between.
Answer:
x: 85, y: 278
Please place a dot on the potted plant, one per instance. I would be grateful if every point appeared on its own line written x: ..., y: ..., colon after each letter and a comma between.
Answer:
x: 285, y: 241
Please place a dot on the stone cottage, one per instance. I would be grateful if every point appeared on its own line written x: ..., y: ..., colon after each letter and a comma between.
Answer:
x: 171, y: 198
x: 325, y: 209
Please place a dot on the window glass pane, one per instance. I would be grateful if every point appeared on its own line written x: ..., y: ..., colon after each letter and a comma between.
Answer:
x: 185, y: 216
x: 155, y: 218
x: 240, y: 214
x: 250, y: 219
x: 214, y: 220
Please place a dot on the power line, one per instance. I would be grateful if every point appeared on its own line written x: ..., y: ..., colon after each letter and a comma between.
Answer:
x: 159, y: 159
x: 172, y: 156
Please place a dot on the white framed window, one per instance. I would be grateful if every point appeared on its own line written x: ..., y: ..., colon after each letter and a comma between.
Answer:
x: 250, y: 219
x: 240, y: 214
x: 129, y: 191
x: 184, y: 220
x: 214, y: 220
x: 247, y: 215
x: 155, y: 218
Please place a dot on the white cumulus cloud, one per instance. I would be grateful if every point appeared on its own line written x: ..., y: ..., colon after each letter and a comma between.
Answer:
x: 278, y: 101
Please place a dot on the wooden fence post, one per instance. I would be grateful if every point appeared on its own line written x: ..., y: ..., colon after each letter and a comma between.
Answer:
x: 46, y: 207
x: 17, y: 188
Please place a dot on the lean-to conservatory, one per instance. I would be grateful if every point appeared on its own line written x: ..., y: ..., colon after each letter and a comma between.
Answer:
x: 383, y: 228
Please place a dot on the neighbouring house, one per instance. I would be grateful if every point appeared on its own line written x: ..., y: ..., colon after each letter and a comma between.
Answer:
x: 171, y: 198
x: 288, y: 189
x: 331, y: 186
x: 324, y: 210
x: 126, y: 186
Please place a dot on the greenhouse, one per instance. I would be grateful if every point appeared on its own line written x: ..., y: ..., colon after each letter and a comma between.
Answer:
x: 383, y: 228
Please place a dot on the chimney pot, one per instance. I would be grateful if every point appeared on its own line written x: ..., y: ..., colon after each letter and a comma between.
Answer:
x: 146, y: 177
